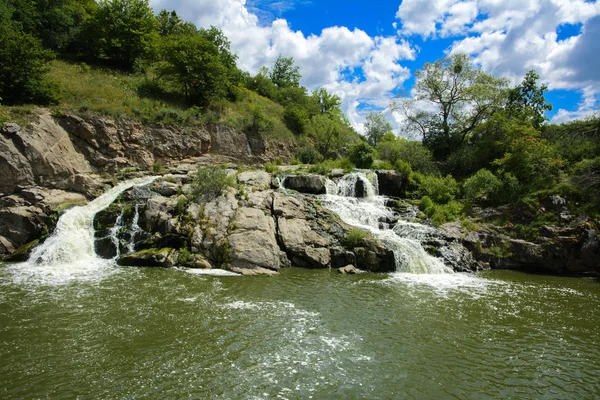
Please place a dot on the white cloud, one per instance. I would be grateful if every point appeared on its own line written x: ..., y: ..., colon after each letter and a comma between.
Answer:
x: 509, y: 37
x: 322, y: 59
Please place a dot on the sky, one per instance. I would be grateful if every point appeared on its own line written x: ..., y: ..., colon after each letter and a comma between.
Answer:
x: 367, y: 52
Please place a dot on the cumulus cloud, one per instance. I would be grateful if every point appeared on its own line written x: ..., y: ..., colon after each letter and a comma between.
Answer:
x: 509, y: 37
x: 324, y: 60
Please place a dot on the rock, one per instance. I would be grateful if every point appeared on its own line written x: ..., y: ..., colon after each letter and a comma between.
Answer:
x: 348, y: 270
x: 341, y: 257
x: 312, y: 184
x: 193, y: 261
x: 164, y: 257
x: 288, y: 206
x: 375, y: 257
x: 253, y: 244
x: 304, y: 247
x: 253, y: 271
x: 16, y: 169
x: 228, y: 141
x: 391, y: 183
x: 22, y: 224
x: 165, y: 188
x: 337, y: 172
x: 255, y: 179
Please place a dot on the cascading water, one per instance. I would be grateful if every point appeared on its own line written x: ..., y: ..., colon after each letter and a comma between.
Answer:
x: 69, y: 252
x: 113, y: 234
x: 135, y: 229
x: 370, y: 213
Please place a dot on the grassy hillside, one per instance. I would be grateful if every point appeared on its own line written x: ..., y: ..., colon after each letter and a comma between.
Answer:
x: 121, y: 95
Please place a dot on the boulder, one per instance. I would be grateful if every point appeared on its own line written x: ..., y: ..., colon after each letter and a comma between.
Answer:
x: 255, y: 179
x: 165, y: 258
x: 348, y: 270
x: 252, y: 243
x: 391, y: 183
x: 311, y: 184
x: 165, y: 188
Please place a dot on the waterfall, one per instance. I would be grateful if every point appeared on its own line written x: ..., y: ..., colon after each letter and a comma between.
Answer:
x: 135, y: 229
x: 281, y: 183
x: 113, y: 234
x: 69, y: 251
x: 354, y: 198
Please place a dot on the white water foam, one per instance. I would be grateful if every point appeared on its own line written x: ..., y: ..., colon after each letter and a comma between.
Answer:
x: 68, y: 254
x: 370, y: 213
x: 209, y: 272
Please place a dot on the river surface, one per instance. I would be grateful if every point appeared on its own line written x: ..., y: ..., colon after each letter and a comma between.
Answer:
x: 165, y: 333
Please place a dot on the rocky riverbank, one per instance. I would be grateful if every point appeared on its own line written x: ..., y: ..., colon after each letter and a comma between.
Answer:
x: 255, y: 227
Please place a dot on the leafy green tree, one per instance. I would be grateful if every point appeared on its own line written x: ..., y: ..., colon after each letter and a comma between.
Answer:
x: 377, y: 126
x: 325, y: 102
x: 262, y: 84
x: 169, y: 23
x: 527, y: 100
x: 23, y: 65
x: 326, y: 133
x: 194, y: 64
x: 362, y: 155
x: 296, y: 119
x: 284, y: 73
x: 122, y: 31
x: 392, y: 149
x: 463, y: 98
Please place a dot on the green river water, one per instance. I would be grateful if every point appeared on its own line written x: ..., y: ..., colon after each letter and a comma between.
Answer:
x: 170, y: 334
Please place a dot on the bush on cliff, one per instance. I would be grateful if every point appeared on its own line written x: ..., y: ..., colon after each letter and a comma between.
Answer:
x: 210, y: 182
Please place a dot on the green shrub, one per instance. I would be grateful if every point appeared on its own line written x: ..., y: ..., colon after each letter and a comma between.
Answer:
x: 404, y: 168
x: 210, y: 182
x: 384, y: 165
x: 157, y: 167
x: 355, y: 238
x: 483, y: 186
x: 308, y: 155
x: 425, y: 204
x: 362, y: 155
x: 271, y: 167
x: 441, y: 190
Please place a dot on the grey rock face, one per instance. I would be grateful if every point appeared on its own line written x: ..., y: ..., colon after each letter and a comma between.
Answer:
x: 311, y: 184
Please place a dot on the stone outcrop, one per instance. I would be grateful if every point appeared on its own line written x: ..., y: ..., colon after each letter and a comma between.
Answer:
x: 251, y: 230
x: 391, y: 183
x: 311, y: 184
x: 574, y: 248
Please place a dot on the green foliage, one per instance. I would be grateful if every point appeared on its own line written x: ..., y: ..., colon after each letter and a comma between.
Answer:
x: 197, y: 65
x: 527, y: 100
x: 464, y: 97
x: 404, y: 168
x: 440, y: 213
x: 362, y: 155
x: 284, y: 73
x: 308, y: 155
x: 325, y: 167
x: 121, y: 32
x: 586, y: 177
x: 355, y: 238
x: 392, y: 149
x: 185, y: 256
x: 157, y: 167
x: 210, y: 182
x: 296, y: 119
x: 23, y: 65
x: 482, y: 186
x: 377, y: 126
x: 271, y: 167
x: 440, y: 189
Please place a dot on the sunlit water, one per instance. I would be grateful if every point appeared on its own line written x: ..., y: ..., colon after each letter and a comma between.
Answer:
x: 166, y: 333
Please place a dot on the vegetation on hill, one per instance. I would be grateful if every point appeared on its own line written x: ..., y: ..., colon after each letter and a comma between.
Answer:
x: 483, y: 142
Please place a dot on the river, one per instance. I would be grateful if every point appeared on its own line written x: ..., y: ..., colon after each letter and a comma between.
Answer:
x: 167, y: 333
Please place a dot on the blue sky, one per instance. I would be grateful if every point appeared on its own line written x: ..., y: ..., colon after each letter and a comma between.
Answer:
x: 368, y: 51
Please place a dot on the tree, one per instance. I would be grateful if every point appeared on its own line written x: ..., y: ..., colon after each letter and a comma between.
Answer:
x: 362, y: 155
x: 169, y: 23
x: 194, y: 64
x: 284, y: 74
x: 377, y: 126
x: 122, y: 31
x: 463, y: 97
x: 527, y: 100
x: 325, y: 102
x: 23, y: 65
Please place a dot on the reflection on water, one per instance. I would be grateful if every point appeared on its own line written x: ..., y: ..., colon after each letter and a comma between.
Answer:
x: 166, y: 333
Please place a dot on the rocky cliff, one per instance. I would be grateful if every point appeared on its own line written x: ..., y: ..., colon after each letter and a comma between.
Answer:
x: 64, y: 159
